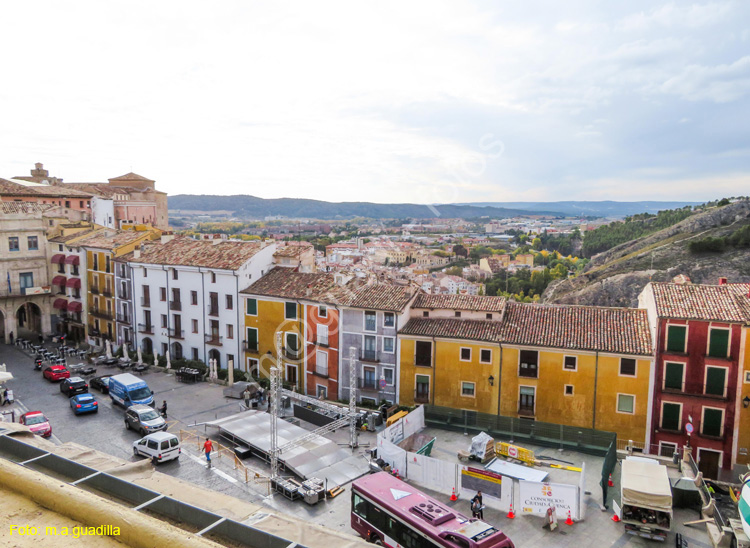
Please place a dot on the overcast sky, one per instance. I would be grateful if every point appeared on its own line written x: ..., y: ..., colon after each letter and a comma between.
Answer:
x: 383, y: 101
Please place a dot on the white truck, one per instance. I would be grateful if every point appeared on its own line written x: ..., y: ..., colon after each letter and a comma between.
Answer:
x: 646, y: 498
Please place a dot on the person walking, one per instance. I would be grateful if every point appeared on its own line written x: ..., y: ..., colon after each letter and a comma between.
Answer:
x: 9, y: 398
x: 3, y: 392
x: 246, y: 395
x: 11, y: 337
x: 207, y: 447
x: 477, y: 508
x: 163, y: 409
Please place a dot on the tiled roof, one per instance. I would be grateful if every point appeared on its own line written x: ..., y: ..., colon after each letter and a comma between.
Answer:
x: 131, y: 177
x: 26, y: 188
x: 68, y: 237
x: 494, y: 264
x: 29, y: 208
x: 107, y: 240
x: 292, y: 250
x: 287, y: 283
x: 460, y: 302
x: 726, y: 303
x: 225, y: 255
x: 477, y: 330
x: 615, y: 330
x: 379, y: 297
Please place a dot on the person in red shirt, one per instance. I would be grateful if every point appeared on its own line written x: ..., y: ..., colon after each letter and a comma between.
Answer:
x: 207, y: 447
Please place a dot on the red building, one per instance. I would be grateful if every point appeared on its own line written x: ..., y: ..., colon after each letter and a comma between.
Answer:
x: 697, y: 332
x: 322, y: 340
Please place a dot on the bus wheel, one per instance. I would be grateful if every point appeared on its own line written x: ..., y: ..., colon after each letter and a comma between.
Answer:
x: 375, y: 539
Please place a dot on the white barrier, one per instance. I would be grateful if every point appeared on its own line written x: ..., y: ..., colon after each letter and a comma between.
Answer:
x: 437, y: 474
x: 536, y: 497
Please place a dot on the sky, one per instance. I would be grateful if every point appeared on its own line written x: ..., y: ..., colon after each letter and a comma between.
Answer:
x: 427, y: 102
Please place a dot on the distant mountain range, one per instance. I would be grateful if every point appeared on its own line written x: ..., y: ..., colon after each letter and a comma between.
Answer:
x: 251, y: 207
x: 605, y: 208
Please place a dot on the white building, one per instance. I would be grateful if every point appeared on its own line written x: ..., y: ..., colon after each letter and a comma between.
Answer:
x: 186, y: 296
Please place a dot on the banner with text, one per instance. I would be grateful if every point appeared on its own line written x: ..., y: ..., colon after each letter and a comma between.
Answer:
x: 536, y: 497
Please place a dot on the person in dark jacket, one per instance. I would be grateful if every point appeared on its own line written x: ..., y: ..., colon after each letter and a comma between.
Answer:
x: 477, y: 508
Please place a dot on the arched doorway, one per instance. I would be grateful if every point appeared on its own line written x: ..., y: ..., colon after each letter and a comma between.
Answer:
x: 214, y: 354
x: 2, y: 326
x: 147, y: 346
x: 176, y: 351
x: 28, y: 320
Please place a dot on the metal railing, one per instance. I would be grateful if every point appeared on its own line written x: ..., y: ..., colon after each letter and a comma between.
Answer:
x: 367, y: 383
x: 369, y: 356
x: 214, y: 340
x: 696, y: 389
x: 321, y: 371
x: 94, y: 290
x: 213, y: 310
x: 421, y: 398
x: 175, y: 305
x: 176, y: 333
x: 247, y: 347
x: 146, y: 302
x: 146, y: 328
x: 122, y: 318
x: 100, y: 313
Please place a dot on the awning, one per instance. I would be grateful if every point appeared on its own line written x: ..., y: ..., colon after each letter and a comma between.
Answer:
x: 75, y: 260
x: 60, y: 304
x: 58, y: 280
x: 59, y: 258
x: 74, y: 306
x: 75, y: 283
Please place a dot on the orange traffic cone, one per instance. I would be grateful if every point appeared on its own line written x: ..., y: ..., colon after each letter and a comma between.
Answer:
x: 511, y: 514
x: 610, y: 482
x: 616, y: 518
x: 569, y: 521
x: 453, y: 494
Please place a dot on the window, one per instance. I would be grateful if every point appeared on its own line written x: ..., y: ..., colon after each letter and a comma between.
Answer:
x: 291, y: 373
x: 213, y: 277
x: 164, y: 320
x: 290, y: 311
x: 673, y: 376
x: 389, y: 319
x: 195, y: 353
x: 747, y: 377
x: 457, y: 313
x: 676, y: 338
x: 425, y: 314
x: 252, y: 307
x: 370, y: 322
x: 230, y: 360
x: 568, y: 389
x: 485, y: 355
x: 465, y: 355
x: 80, y: 204
x: 33, y: 243
x: 13, y: 244
x: 423, y: 353
x: 252, y: 366
x: 321, y: 392
x: 194, y: 297
x: 671, y: 414
x: 145, y: 272
x: 230, y: 302
x: 163, y: 293
x: 107, y: 263
x: 529, y: 364
x: 175, y: 275
x: 25, y: 279
x: 667, y: 449
x: 322, y: 334
x: 96, y: 261
x: 626, y: 403
x: 230, y: 331
x: 627, y: 367
x: 718, y: 343
x: 321, y: 363
x: 570, y: 363
x: 712, y: 422
x: 195, y: 326
x: 526, y: 400
x: 388, y: 376
x: 422, y: 393
x: 388, y: 343
x: 488, y: 315
x: 716, y: 378
x: 322, y: 311
x: 292, y: 345
x: 164, y: 349
x: 467, y: 389
x: 67, y: 203
x: 252, y: 339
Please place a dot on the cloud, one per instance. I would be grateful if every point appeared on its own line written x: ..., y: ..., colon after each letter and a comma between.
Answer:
x: 721, y: 83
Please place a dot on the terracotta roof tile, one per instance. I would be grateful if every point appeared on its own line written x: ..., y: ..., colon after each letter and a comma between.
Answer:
x: 287, y: 283
x: 225, y: 255
x: 107, y: 240
x: 29, y: 208
x: 477, y: 330
x: 727, y: 303
x: 615, y: 330
x: 26, y: 188
x: 460, y: 302
x: 379, y: 297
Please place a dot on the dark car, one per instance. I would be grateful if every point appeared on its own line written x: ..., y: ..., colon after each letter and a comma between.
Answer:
x: 74, y: 385
x: 101, y: 383
x: 55, y: 373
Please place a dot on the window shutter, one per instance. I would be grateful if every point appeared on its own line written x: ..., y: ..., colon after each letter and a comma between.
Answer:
x: 715, y: 379
x: 712, y: 422
x: 670, y: 417
x: 719, y: 344
x: 676, y: 338
x: 673, y: 376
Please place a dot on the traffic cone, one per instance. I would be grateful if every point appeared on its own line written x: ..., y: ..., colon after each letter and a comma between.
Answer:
x: 453, y: 494
x: 569, y: 521
x: 610, y: 482
x: 511, y: 514
x: 616, y: 518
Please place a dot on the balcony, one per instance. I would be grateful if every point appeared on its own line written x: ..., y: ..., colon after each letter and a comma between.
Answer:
x: 107, y: 292
x: 698, y: 390
x: 421, y: 398
x: 213, y: 339
x: 145, y: 302
x: 369, y: 356
x: 146, y: 328
x: 250, y: 347
x: 213, y: 310
x: 321, y: 371
x: 176, y: 333
x: 123, y: 295
x: 526, y: 410
x: 367, y: 383
x: 122, y: 318
x: 175, y: 305
x: 94, y: 290
x: 97, y: 313
x: 292, y: 354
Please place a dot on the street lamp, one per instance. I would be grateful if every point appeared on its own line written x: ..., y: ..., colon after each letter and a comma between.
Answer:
x: 491, y: 380
x: 746, y: 402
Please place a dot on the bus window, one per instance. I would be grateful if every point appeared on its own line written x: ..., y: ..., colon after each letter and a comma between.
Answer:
x: 360, y: 505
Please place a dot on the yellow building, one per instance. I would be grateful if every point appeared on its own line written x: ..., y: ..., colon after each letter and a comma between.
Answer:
x: 742, y: 432
x: 101, y: 249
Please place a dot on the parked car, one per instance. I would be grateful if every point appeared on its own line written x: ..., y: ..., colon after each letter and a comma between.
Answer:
x: 55, y: 373
x: 37, y: 423
x: 74, y: 385
x: 101, y: 383
x: 159, y: 447
x: 84, y: 403
x: 145, y: 419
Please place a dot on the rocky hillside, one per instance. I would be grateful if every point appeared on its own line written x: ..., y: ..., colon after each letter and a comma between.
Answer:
x: 616, y: 277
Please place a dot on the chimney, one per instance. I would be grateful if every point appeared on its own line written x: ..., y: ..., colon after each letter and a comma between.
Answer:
x: 167, y: 237
x: 722, y: 281
x: 137, y: 253
x: 308, y: 292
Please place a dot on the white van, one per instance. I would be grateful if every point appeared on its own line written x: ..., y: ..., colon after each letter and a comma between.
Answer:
x: 159, y: 447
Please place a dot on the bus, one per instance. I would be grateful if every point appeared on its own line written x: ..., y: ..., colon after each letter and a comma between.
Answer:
x: 388, y: 512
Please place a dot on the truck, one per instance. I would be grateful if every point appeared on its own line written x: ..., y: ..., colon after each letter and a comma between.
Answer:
x: 127, y: 390
x: 646, y: 498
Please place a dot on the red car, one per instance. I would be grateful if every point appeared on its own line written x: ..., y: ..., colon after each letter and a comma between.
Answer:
x: 55, y: 373
x: 37, y: 423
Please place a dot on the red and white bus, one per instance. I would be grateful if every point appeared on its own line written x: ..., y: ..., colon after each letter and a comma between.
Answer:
x: 389, y: 512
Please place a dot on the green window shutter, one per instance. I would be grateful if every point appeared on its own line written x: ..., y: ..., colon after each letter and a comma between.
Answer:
x: 715, y: 380
x: 676, y: 338
x: 670, y: 416
x: 423, y: 379
x: 673, y: 376
x: 719, y: 344
x: 712, y: 422
x: 252, y: 307
x: 252, y: 339
x: 291, y: 342
x: 290, y: 311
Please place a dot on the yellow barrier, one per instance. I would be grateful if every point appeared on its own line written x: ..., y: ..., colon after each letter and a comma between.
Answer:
x: 395, y: 417
x: 515, y: 452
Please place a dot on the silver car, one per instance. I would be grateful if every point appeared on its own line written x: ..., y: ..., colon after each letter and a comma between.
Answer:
x: 144, y: 419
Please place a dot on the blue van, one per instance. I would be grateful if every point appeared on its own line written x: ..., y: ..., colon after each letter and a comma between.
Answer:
x: 127, y: 390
